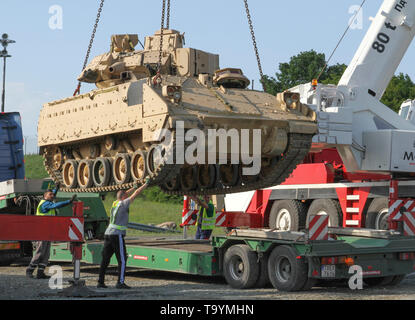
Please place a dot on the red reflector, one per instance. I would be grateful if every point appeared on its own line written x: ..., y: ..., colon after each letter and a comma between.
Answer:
x: 213, y: 260
x: 298, y: 257
x: 406, y: 256
x: 315, y: 272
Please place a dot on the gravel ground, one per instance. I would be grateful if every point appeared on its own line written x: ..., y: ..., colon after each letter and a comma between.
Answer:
x: 154, y: 285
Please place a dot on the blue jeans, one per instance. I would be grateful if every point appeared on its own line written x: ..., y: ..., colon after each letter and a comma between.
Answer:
x: 203, y: 234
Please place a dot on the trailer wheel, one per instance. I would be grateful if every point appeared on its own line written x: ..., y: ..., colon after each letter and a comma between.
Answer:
x: 287, y: 215
x: 377, y: 214
x: 263, y: 279
x: 240, y: 267
x: 328, y: 207
x: 286, y: 272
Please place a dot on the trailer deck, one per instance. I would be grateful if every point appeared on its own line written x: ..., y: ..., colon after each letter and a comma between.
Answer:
x: 381, y: 255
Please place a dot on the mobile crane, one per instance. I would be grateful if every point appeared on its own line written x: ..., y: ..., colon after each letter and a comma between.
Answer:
x: 361, y: 146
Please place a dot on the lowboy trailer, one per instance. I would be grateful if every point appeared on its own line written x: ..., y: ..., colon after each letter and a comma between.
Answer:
x: 249, y: 258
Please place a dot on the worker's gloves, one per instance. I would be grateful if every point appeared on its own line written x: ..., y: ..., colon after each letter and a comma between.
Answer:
x: 73, y: 198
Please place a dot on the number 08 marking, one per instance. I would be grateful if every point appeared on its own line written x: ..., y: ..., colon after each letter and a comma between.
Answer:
x: 379, y: 46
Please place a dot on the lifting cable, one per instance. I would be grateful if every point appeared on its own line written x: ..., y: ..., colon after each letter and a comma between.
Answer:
x: 165, y: 24
x: 251, y: 28
x: 91, y: 41
x: 341, y: 39
x: 168, y: 15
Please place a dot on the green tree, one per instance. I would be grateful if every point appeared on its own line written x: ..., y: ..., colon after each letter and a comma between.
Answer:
x: 400, y: 88
x: 301, y: 69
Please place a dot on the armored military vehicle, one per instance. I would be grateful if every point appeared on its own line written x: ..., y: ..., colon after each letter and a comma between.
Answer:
x: 115, y: 136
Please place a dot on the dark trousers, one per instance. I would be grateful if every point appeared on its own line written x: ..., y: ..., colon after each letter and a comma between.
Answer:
x: 202, y: 234
x: 113, y: 244
x: 41, y: 257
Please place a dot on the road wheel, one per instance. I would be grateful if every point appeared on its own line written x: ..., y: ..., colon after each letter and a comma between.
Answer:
x: 229, y: 174
x: 206, y: 176
x: 69, y: 173
x: 122, y: 168
x: 188, y: 178
x: 377, y: 214
x: 328, y: 207
x: 287, y: 215
x: 286, y: 272
x: 155, y: 159
x: 241, y: 269
x: 101, y: 172
x: 139, y: 165
x: 84, y: 174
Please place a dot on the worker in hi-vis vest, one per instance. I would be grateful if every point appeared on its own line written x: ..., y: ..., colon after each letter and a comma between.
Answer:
x: 40, y: 258
x: 206, y: 218
x: 115, y: 233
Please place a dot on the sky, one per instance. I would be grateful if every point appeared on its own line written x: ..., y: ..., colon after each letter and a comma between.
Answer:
x: 48, y: 54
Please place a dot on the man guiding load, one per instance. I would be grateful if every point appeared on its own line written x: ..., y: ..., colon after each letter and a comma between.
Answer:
x: 41, y: 256
x: 115, y: 233
x: 206, y: 219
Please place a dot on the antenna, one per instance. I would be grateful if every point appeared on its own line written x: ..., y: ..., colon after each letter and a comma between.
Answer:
x: 4, y: 54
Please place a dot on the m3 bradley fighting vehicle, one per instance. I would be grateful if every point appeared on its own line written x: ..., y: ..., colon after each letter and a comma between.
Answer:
x: 110, y: 138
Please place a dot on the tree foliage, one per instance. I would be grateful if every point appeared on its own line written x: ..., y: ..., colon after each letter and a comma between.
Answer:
x: 400, y: 89
x: 307, y: 65
x: 301, y: 69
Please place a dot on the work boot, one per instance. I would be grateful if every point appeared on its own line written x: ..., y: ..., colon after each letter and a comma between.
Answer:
x: 29, y: 273
x: 41, y: 275
x: 101, y: 285
x: 122, y: 286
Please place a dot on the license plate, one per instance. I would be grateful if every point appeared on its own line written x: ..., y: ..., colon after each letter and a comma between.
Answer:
x: 328, y: 271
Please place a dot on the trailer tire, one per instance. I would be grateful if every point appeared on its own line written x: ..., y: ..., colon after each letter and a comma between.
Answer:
x: 330, y: 207
x: 287, y: 215
x: 263, y: 279
x: 240, y: 267
x: 286, y: 272
x: 377, y: 214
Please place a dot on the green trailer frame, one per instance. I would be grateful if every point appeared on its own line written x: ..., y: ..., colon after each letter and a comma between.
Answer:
x: 381, y: 256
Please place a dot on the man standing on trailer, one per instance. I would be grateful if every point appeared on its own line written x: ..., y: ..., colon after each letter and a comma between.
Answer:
x: 46, y: 207
x: 206, y: 219
x: 115, y: 233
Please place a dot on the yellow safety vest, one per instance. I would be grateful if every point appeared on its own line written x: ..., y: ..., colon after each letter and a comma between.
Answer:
x: 113, y: 214
x: 51, y: 212
x: 208, y: 223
